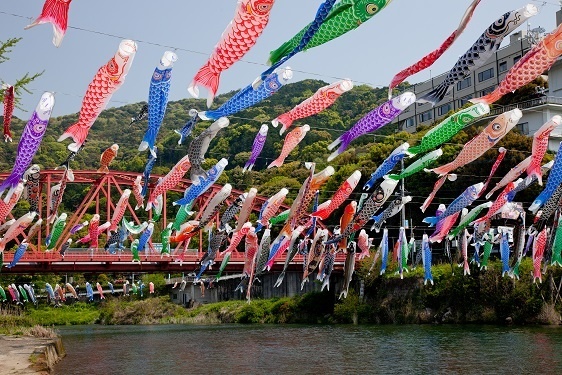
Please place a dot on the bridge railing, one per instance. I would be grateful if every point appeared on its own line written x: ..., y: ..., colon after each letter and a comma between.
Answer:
x: 101, y: 256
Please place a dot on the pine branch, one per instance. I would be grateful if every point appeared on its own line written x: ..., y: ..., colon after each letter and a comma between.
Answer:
x: 21, y: 84
x: 6, y: 47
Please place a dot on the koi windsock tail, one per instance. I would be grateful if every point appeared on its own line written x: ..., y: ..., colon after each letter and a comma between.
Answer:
x: 394, y: 177
x: 181, y: 136
x: 276, y: 163
x: 537, y: 203
x: 534, y: 170
x: 279, y: 280
x: 208, y: 79
x: 10, y: 182
x: 148, y: 144
x: 344, y: 140
x: 377, y: 226
x: 279, y: 53
x: 321, y: 214
x: 103, y: 169
x: 248, y: 167
x: 152, y: 202
x: 431, y: 220
x: 325, y: 284
x: 443, y: 169
x: 285, y: 120
x: 77, y: 133
x: 488, y: 99
x: 209, y: 115
x: 435, y: 95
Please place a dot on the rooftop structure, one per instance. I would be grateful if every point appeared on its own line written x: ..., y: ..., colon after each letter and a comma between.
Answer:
x: 536, y: 112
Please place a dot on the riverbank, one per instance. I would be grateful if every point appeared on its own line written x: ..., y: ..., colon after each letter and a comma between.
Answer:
x: 483, y: 297
x: 23, y: 355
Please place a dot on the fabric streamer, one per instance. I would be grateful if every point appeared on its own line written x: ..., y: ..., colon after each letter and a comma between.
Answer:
x: 106, y: 81
x: 430, y: 58
x: 241, y: 34
x: 55, y: 12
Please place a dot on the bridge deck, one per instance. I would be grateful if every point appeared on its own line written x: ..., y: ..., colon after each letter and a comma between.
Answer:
x: 99, y: 261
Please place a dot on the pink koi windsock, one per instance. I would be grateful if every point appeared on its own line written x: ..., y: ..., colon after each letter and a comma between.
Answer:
x: 511, y: 175
x: 430, y: 58
x: 340, y: 196
x: 246, y: 209
x: 538, y: 251
x: 100, y: 290
x: 137, y: 192
x: 364, y: 243
x: 250, y: 18
x: 292, y: 139
x: 438, y: 184
x: 501, y: 154
x: 251, y: 250
x: 120, y: 209
x: 534, y: 63
x: 443, y: 227
x: 237, y: 237
x: 540, y: 145
x: 106, y: 81
x: 322, y: 99
x: 8, y: 111
x: 55, y: 12
x: 484, y: 141
x: 500, y: 201
x: 169, y: 181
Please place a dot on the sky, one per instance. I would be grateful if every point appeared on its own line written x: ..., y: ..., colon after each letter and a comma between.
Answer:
x: 372, y: 54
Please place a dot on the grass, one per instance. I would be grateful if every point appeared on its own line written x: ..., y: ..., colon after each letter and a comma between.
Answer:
x: 76, y: 314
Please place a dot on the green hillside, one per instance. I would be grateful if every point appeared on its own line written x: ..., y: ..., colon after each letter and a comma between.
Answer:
x: 235, y: 144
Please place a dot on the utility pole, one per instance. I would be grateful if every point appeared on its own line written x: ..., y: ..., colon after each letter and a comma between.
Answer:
x: 402, y: 190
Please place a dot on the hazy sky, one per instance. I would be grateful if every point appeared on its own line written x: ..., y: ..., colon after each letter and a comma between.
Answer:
x: 393, y: 39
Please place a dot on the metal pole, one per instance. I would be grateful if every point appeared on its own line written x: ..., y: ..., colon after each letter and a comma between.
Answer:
x: 402, y: 188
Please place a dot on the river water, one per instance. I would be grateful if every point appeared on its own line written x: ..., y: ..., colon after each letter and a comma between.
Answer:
x: 279, y: 349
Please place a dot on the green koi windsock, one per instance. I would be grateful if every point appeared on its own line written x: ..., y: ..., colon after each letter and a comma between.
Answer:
x: 58, y: 227
x: 417, y: 166
x: 165, y: 239
x: 557, y: 246
x: 447, y: 128
x: 135, y: 251
x: 345, y: 16
x: 182, y: 215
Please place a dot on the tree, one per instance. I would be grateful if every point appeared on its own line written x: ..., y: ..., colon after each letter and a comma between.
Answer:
x: 21, y: 84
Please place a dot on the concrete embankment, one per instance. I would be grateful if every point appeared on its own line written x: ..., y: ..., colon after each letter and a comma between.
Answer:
x: 23, y: 355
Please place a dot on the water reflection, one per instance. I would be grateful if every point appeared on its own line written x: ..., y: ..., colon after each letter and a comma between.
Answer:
x: 236, y: 349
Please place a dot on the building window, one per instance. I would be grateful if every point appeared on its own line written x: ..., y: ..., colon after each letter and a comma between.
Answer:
x: 442, y: 110
x: 464, y: 100
x: 426, y: 116
x: 523, y: 128
x: 467, y: 82
x: 516, y: 59
x: 409, y: 122
x: 486, y: 74
x: 487, y: 90
x: 502, y: 67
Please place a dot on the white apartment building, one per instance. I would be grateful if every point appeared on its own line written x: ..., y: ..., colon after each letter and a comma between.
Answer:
x: 483, y: 81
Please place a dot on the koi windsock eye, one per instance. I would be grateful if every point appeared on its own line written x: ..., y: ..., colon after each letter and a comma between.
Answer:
x: 371, y: 8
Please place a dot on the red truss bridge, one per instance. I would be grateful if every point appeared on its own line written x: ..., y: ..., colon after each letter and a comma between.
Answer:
x: 103, y: 189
